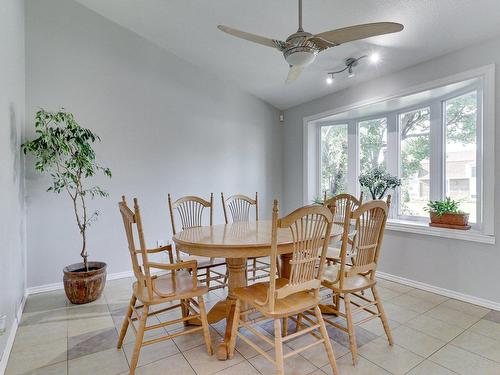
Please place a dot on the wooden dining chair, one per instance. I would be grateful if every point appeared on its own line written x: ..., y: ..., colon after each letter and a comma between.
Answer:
x: 351, y: 280
x: 152, y: 289
x: 239, y: 207
x: 339, y: 204
x: 190, y: 211
x: 282, y: 298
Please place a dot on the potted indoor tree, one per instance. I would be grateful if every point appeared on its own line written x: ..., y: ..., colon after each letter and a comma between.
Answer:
x: 447, y: 214
x: 378, y: 181
x: 63, y: 149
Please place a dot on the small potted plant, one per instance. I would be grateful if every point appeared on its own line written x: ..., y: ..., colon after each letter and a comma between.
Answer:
x: 378, y: 181
x: 446, y: 214
x: 64, y: 150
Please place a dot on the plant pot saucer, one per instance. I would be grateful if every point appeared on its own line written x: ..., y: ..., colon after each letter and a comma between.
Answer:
x: 450, y: 226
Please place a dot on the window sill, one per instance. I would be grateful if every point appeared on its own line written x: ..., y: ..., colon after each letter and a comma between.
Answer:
x: 425, y: 229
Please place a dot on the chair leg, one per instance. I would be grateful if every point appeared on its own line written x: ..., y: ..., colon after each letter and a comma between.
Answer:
x: 278, y: 348
x: 138, y: 339
x: 254, y: 270
x: 298, y: 323
x: 278, y: 266
x: 285, y: 326
x: 226, y: 276
x: 234, y: 328
x: 124, y: 329
x: 350, y: 328
x: 383, y: 317
x: 204, y: 322
x: 328, y: 344
x: 185, y: 311
x: 207, y: 277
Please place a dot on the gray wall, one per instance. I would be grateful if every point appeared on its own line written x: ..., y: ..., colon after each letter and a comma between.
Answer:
x: 461, y: 266
x: 12, y: 249
x: 166, y: 126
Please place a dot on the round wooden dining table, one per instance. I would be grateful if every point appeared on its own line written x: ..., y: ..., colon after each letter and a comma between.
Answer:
x: 236, y: 242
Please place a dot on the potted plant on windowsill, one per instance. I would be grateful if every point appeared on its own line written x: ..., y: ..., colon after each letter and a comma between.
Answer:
x: 64, y: 150
x: 446, y: 214
x: 378, y: 182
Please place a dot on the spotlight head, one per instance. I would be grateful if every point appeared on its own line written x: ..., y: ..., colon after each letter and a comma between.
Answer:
x: 374, y: 58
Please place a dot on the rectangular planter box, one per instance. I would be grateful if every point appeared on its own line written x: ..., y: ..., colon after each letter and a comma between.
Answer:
x: 452, y: 221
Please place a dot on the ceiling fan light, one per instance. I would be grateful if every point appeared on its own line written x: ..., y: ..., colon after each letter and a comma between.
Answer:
x: 300, y: 58
x: 329, y: 80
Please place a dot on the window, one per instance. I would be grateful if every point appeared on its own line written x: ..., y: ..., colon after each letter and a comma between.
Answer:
x: 414, y: 165
x: 334, y: 159
x: 460, y: 147
x: 436, y: 141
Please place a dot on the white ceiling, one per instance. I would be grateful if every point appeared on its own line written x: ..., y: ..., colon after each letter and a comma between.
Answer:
x: 188, y: 29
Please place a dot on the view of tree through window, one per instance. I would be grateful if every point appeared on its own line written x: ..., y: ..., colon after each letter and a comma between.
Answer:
x: 372, y: 145
x: 334, y: 159
x: 414, y: 132
x: 460, y: 142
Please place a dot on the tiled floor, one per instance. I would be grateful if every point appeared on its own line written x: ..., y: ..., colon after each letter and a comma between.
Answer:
x: 433, y: 335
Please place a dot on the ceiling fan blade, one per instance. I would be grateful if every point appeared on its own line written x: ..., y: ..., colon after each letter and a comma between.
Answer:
x: 293, y: 73
x: 273, y: 43
x: 349, y: 34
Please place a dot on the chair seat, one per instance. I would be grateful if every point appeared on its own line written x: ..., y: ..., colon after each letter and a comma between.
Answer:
x: 351, y: 283
x: 290, y: 305
x: 169, y: 287
x: 204, y: 262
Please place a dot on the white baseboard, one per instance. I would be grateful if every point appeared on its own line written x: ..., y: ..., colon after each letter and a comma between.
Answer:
x: 12, y: 335
x: 441, y: 291
x: 60, y: 285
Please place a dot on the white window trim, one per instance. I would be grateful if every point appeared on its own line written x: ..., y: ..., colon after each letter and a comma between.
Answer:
x: 487, y: 73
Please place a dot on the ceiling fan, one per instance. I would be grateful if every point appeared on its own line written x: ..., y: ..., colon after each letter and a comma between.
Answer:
x: 300, y: 49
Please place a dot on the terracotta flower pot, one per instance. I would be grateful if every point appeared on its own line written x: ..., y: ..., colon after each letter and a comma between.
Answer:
x: 83, y: 286
x: 453, y: 221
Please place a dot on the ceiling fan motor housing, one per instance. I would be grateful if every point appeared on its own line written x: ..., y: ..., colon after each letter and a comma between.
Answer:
x: 303, y: 52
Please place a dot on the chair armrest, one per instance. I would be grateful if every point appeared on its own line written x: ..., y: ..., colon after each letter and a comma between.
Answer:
x: 167, y: 248
x: 190, y: 264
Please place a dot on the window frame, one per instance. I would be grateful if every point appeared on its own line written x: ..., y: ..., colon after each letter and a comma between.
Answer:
x: 484, y: 142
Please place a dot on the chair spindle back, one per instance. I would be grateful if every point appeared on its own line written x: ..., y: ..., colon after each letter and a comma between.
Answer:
x: 239, y: 206
x: 341, y: 202
x: 310, y: 227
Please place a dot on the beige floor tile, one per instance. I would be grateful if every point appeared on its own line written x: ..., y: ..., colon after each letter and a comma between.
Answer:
x: 294, y: 365
x: 58, y: 315
x: 60, y: 368
x: 464, y: 362
x: 394, y: 286
x: 427, y: 296
x: 80, y: 326
x: 109, y: 362
x: 246, y: 350
x: 479, y: 344
x: 192, y: 340
x: 394, y: 359
x: 435, y: 328
x: 243, y: 368
x: 466, y: 308
x: 41, y: 334
x: 416, y: 341
x: 399, y: 314
x: 94, y: 309
x: 173, y: 365
x: 430, y: 368
x: 203, y: 364
x: 363, y: 367
x: 317, y: 354
x: 413, y: 303
x: 46, y: 301
x: 487, y: 328
x: 452, y: 316
x: 151, y: 353
x: 24, y: 359
x: 375, y: 326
